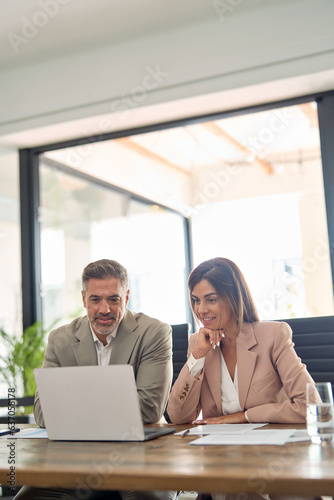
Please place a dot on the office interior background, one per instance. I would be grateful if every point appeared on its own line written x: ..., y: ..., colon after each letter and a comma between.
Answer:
x: 160, y: 134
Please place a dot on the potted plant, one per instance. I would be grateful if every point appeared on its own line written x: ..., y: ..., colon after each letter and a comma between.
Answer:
x: 23, y: 354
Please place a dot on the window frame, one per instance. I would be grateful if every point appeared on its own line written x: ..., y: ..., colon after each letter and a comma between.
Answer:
x: 29, y: 186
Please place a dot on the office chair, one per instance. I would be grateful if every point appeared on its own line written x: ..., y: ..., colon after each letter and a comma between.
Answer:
x: 314, y: 344
x: 19, y: 419
x: 180, y: 336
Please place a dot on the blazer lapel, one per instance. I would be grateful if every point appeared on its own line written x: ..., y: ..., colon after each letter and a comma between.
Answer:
x: 84, y: 349
x: 125, y: 340
x: 212, y: 367
x: 245, y: 360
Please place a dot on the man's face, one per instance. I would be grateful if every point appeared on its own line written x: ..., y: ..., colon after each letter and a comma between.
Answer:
x: 105, y: 301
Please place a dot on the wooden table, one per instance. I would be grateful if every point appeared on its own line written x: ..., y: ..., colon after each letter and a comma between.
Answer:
x: 170, y: 463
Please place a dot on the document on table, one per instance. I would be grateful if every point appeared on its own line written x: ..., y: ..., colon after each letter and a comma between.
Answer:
x: 270, y: 436
x: 220, y: 429
x: 299, y: 435
x: 32, y: 432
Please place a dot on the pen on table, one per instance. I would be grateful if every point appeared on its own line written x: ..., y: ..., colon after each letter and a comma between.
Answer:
x: 13, y: 431
x: 186, y: 433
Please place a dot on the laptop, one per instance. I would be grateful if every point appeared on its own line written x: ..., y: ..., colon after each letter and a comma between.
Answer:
x: 92, y: 403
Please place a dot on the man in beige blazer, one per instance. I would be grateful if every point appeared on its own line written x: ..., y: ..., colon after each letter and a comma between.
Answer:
x: 141, y: 341
x: 136, y: 339
x: 112, y: 334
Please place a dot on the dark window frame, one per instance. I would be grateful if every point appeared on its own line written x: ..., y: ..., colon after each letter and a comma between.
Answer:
x: 29, y: 186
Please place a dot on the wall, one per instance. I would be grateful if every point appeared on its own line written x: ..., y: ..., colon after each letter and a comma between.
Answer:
x: 10, y: 243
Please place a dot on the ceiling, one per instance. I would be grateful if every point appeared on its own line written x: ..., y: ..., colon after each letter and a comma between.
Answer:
x: 78, y: 24
x: 73, y: 25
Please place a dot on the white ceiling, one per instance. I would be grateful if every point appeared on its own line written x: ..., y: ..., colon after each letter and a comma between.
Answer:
x: 73, y: 25
x: 78, y: 24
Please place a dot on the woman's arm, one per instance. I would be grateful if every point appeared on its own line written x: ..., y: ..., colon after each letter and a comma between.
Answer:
x: 232, y: 418
x: 294, y: 377
x: 184, y: 399
x: 184, y: 403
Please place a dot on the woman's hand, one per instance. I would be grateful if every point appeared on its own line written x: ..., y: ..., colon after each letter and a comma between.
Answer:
x: 233, y: 418
x: 205, y: 341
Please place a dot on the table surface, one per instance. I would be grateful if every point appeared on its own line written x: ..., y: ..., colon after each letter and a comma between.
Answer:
x: 170, y: 463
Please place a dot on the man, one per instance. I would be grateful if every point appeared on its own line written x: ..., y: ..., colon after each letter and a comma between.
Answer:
x: 112, y: 334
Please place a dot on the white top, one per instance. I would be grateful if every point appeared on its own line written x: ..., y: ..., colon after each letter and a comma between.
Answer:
x: 229, y: 388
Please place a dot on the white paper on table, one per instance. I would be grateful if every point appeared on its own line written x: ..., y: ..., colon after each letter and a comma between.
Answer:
x: 220, y: 429
x: 272, y: 436
x: 298, y: 436
x: 30, y: 433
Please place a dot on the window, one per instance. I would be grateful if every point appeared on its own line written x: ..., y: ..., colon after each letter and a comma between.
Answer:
x: 248, y: 185
x: 10, y: 243
x: 10, y: 250
x: 83, y: 220
x: 261, y: 204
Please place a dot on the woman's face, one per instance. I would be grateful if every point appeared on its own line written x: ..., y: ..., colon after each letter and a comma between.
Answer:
x: 210, y: 309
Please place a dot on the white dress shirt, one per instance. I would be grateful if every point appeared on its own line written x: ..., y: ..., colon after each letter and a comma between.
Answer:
x: 103, y: 351
x: 229, y: 388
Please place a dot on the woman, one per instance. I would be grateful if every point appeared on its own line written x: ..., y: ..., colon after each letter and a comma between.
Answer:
x: 239, y: 369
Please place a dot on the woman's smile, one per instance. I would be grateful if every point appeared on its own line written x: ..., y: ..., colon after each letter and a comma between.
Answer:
x: 209, y: 308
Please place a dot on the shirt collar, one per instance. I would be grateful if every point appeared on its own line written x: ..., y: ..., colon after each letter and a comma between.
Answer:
x: 109, y: 337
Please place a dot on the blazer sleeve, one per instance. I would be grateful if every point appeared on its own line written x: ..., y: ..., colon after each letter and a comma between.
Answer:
x: 50, y: 360
x: 294, y: 377
x: 184, y: 400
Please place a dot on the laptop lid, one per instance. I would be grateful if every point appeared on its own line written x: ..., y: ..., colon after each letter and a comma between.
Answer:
x: 90, y: 403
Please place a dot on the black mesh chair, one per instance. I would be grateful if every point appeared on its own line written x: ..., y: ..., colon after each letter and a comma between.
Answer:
x: 19, y: 419
x: 314, y: 344
x: 180, y: 336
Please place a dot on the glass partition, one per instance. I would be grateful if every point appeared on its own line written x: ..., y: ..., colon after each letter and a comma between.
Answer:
x: 252, y: 185
x: 10, y: 242
x: 82, y: 221
x: 262, y: 205
x: 10, y: 251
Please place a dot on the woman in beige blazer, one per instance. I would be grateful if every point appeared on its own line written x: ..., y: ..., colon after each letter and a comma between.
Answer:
x: 239, y: 369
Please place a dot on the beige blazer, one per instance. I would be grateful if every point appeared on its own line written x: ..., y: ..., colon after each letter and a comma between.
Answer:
x: 271, y: 379
x: 141, y: 341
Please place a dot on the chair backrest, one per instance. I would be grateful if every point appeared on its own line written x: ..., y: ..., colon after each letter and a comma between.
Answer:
x: 180, y: 335
x: 314, y: 344
x: 24, y: 401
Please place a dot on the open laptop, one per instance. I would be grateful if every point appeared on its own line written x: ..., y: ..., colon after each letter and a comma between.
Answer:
x: 92, y: 403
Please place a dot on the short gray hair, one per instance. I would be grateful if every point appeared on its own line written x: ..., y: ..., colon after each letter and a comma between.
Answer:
x: 104, y: 269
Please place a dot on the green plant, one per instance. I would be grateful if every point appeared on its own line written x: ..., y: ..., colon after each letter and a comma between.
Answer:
x: 23, y: 354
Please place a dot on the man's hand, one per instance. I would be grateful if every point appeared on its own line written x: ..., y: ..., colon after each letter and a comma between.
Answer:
x: 206, y: 340
x: 233, y: 418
